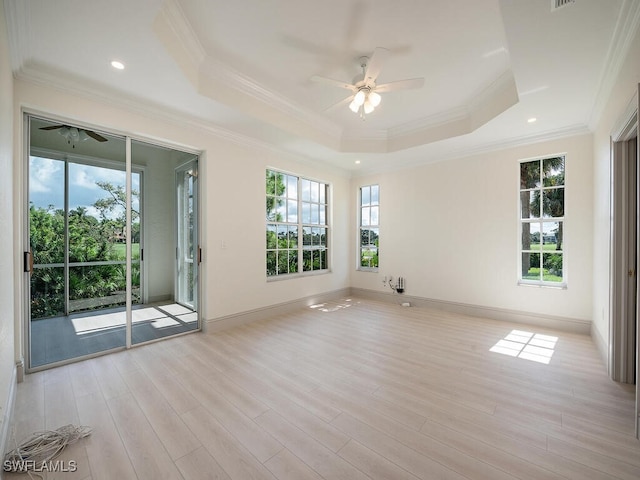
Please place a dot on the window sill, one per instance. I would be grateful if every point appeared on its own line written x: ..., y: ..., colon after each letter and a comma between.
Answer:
x: 555, y: 286
x: 291, y: 276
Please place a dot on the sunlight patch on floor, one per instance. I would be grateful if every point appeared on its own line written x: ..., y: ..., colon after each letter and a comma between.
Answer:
x: 332, y: 306
x: 158, y: 317
x: 535, y: 347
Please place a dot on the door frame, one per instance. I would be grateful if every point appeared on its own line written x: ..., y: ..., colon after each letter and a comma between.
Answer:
x: 624, y: 334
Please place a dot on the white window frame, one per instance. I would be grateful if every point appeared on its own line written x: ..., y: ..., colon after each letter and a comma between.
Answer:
x: 366, y: 211
x: 298, y: 204
x: 541, y: 220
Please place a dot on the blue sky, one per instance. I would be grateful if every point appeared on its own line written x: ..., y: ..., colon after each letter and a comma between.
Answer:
x: 46, y: 184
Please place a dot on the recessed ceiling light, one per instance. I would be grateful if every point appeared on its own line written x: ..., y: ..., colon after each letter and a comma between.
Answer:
x: 532, y: 120
x: 117, y: 65
x: 357, y: 162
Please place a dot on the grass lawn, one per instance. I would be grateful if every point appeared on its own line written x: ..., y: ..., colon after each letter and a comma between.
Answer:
x: 546, y: 247
x: 121, y: 250
x: 534, y: 274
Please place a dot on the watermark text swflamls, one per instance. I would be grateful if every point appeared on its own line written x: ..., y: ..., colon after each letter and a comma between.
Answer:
x: 39, y: 467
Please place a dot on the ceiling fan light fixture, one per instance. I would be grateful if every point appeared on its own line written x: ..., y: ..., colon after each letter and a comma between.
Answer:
x: 374, y: 99
x: 82, y: 135
x: 368, y: 107
x: 359, y: 98
x: 354, y: 107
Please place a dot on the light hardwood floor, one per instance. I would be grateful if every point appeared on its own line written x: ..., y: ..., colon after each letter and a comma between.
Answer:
x: 348, y: 390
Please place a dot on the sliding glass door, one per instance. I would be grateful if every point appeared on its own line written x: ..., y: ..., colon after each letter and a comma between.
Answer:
x: 85, y: 295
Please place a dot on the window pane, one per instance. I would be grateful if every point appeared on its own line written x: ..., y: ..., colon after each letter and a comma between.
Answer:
x: 271, y: 236
x: 293, y: 237
x: 552, y: 267
x: 365, y: 236
x: 553, y: 202
x: 306, y: 213
x: 530, y: 174
x: 292, y: 186
x: 315, y: 192
x: 375, y: 194
x: 530, y: 204
x: 283, y: 261
x: 293, y: 261
x: 271, y: 183
x: 306, y: 190
x: 553, y: 171
x: 315, y: 214
x: 365, y: 196
x: 364, y: 217
x: 323, y: 193
x: 306, y: 236
x: 292, y: 211
x: 323, y: 259
x: 282, y: 236
x: 281, y: 211
x: 552, y: 236
x: 316, y: 260
x: 306, y: 260
x: 530, y: 236
x: 271, y: 263
x: 323, y: 237
x: 530, y: 266
x: 374, y: 215
x: 323, y: 215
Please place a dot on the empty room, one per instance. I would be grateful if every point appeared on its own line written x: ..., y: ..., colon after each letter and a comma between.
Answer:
x: 319, y: 240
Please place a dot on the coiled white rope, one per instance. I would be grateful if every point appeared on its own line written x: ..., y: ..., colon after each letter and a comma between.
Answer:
x: 35, y: 453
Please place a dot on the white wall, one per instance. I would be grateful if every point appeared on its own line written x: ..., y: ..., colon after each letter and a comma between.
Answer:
x: 451, y: 229
x: 158, y: 219
x: 232, y: 195
x: 621, y: 95
x: 7, y: 359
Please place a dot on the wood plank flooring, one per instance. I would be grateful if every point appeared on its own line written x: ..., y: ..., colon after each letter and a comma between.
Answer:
x: 346, y: 390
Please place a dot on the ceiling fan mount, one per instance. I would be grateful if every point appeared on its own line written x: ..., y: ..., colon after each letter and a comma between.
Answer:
x: 365, y: 95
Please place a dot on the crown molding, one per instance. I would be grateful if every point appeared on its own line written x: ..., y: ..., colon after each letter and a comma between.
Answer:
x: 49, y: 78
x: 625, y: 31
x: 487, y: 147
x: 18, y: 19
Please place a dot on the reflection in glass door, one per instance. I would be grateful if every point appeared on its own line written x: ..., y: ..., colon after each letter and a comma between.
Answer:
x: 170, y: 242
x: 187, y: 233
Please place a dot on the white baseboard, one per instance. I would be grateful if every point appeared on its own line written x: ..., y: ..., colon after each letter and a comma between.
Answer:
x: 7, y: 416
x: 241, y: 318
x: 548, y: 321
x: 602, y: 346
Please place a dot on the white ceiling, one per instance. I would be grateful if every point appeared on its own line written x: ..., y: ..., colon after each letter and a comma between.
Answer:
x: 243, y: 68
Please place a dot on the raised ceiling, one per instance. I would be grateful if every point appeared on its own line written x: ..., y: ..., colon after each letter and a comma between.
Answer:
x: 243, y: 68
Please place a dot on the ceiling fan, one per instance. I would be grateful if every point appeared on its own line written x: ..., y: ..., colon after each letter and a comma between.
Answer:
x: 365, y: 96
x: 75, y: 134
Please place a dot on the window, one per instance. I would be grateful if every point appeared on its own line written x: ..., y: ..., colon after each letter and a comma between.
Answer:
x: 369, y: 228
x: 541, y: 221
x: 297, y: 225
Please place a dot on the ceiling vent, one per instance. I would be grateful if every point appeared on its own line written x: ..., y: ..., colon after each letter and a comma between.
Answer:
x: 556, y: 4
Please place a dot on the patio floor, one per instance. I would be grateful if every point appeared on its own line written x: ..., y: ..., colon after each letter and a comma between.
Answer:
x: 62, y: 338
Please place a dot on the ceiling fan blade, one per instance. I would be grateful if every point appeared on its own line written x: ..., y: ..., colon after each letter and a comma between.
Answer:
x: 375, y: 64
x: 335, y: 83
x: 51, y: 127
x: 336, y: 106
x: 400, y: 85
x: 95, y: 136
